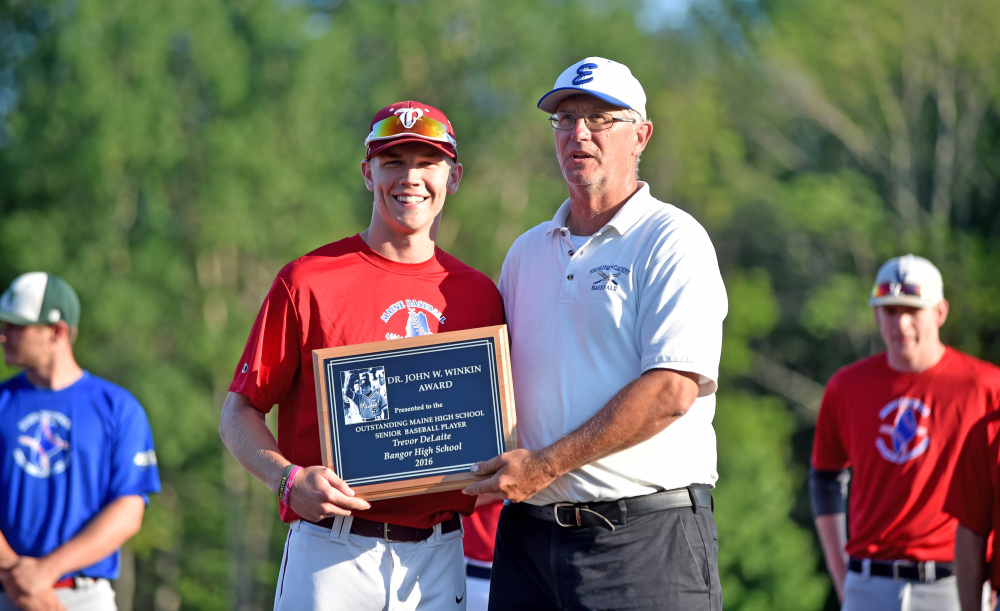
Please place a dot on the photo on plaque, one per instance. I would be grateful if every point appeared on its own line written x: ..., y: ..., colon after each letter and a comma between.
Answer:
x: 365, y: 395
x: 412, y: 415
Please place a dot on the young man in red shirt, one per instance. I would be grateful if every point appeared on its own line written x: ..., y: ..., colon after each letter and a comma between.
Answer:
x: 896, y: 420
x: 343, y: 552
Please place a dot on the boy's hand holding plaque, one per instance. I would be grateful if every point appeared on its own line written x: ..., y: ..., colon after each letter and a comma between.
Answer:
x: 410, y: 416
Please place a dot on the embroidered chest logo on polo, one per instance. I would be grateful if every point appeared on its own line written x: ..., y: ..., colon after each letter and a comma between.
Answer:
x: 415, y: 313
x: 43, y: 443
x: 903, y: 432
x: 606, y: 277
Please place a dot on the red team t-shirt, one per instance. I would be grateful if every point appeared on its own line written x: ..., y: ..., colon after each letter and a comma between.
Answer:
x: 481, y: 531
x: 342, y: 294
x: 901, y: 433
x: 973, y: 497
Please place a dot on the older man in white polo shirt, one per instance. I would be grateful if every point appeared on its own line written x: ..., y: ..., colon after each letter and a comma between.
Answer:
x: 615, y: 308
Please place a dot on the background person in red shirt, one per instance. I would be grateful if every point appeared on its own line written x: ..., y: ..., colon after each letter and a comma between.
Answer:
x: 896, y: 420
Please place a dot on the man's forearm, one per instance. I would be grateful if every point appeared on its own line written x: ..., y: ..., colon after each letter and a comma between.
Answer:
x: 639, y: 411
x: 245, y: 433
x: 832, y: 530
x: 970, y: 568
x: 320, y: 493
x: 105, y: 533
x: 8, y: 557
x: 102, y: 536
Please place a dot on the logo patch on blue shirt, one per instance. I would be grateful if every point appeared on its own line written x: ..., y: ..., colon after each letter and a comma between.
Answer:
x: 903, y: 432
x: 146, y: 458
x: 44, y: 443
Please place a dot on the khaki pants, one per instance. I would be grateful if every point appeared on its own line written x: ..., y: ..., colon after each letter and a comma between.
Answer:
x: 331, y: 570
x: 868, y: 593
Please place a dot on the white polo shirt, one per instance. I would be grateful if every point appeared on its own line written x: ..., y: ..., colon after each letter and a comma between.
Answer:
x: 644, y: 292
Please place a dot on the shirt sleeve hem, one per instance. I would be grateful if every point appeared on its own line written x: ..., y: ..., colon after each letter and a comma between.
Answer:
x: 707, y: 384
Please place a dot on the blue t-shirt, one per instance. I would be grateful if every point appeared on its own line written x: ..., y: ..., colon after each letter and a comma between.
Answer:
x: 65, y: 455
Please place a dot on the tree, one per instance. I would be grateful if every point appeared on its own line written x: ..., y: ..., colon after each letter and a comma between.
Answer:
x: 167, y: 159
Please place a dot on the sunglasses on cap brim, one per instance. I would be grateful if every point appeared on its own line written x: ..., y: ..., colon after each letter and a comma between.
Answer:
x: 895, y: 289
x: 424, y: 127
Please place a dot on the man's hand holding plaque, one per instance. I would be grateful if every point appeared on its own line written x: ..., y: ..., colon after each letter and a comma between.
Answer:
x: 445, y: 405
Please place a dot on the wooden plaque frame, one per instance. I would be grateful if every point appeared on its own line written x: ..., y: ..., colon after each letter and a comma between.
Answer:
x: 445, y: 433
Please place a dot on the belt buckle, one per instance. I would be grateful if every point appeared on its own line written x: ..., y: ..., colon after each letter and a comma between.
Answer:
x: 82, y: 581
x: 895, y: 571
x: 385, y: 534
x: 555, y: 513
x: 919, y: 566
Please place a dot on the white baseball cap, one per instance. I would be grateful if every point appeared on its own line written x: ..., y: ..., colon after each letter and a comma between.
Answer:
x: 603, y: 78
x: 909, y: 281
x: 38, y: 298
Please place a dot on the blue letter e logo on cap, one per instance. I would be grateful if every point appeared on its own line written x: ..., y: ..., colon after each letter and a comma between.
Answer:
x: 584, y: 74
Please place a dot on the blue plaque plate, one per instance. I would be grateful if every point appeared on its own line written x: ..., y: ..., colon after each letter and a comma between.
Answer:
x: 410, y: 416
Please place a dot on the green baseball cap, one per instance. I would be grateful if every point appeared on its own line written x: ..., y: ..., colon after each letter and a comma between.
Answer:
x: 38, y: 298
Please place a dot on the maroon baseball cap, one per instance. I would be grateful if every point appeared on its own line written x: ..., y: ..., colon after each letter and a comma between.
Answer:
x: 411, y: 121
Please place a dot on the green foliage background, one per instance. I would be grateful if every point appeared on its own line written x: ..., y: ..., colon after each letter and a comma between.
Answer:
x: 168, y: 158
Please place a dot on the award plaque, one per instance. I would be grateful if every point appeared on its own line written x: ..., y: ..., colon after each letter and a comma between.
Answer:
x: 409, y: 416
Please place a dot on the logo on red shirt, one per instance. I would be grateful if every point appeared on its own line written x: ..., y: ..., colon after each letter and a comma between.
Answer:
x: 903, y: 432
x: 416, y: 317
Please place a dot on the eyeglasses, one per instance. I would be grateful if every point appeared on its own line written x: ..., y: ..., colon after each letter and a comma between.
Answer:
x: 425, y: 127
x: 896, y: 289
x: 595, y: 121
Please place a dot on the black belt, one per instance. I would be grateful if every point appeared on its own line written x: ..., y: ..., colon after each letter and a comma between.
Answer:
x: 479, y: 572
x: 904, y: 570
x: 605, y: 514
x: 394, y: 533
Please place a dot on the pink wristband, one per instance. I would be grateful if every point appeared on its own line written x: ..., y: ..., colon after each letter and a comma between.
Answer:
x: 287, y: 492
